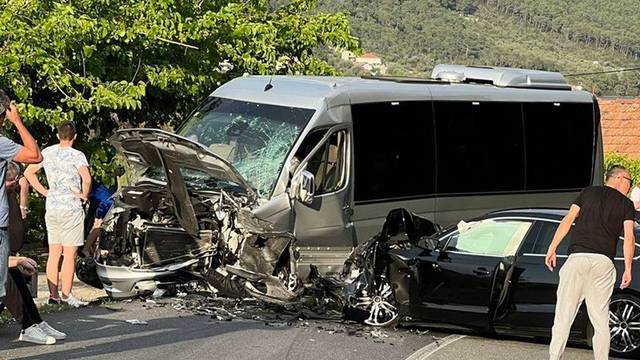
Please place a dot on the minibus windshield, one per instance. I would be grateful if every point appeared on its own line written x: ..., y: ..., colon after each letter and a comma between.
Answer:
x: 255, y: 138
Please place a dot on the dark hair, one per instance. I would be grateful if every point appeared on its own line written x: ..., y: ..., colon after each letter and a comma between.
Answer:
x: 615, y: 170
x: 4, y: 102
x: 66, y: 130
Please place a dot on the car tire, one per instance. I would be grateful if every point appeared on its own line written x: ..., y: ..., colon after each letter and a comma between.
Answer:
x: 624, y: 310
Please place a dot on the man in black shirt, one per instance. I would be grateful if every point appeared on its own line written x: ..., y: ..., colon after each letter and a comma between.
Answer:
x: 600, y: 214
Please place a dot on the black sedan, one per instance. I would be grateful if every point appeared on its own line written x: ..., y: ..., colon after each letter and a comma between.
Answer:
x: 485, y: 275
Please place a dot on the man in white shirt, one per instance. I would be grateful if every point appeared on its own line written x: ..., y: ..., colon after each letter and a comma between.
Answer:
x: 635, y: 197
x: 69, y: 180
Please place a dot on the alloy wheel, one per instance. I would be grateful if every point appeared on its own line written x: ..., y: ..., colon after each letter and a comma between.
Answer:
x: 624, y: 325
x: 379, y: 304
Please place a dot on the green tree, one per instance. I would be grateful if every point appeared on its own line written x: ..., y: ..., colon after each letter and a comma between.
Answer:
x: 109, y: 63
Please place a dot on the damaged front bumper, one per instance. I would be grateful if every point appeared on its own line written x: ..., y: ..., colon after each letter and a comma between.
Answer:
x: 124, y: 282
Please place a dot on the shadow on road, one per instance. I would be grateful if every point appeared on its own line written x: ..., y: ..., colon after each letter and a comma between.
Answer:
x: 98, y: 331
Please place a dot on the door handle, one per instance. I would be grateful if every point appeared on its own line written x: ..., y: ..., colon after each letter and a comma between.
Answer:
x: 481, y: 271
x: 348, y: 211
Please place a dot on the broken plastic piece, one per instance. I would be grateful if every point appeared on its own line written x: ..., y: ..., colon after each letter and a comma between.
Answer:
x: 158, y: 293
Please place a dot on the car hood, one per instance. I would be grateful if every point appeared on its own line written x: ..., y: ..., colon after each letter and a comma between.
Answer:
x: 147, y: 148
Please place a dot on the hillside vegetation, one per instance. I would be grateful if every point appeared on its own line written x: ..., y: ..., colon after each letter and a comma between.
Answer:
x: 567, y: 36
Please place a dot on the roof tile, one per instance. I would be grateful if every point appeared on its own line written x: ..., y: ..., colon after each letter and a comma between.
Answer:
x: 620, y: 122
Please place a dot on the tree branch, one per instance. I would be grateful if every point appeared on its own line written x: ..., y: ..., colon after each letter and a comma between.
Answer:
x: 178, y: 43
x: 84, y: 72
x: 137, y: 69
x: 59, y: 89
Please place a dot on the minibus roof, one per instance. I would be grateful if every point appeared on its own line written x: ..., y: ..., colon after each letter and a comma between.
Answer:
x: 315, y: 92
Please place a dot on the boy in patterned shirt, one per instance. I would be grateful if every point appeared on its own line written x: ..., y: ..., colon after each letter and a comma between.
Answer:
x: 69, y: 180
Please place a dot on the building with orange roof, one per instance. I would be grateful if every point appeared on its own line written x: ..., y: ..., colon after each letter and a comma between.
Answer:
x: 368, y: 58
x: 620, y: 122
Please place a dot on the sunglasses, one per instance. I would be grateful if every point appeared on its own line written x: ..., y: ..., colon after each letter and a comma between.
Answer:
x: 630, y: 180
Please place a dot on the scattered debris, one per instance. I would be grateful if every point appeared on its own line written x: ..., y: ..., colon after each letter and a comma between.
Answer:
x: 158, y: 293
x: 112, y: 308
x: 136, y: 322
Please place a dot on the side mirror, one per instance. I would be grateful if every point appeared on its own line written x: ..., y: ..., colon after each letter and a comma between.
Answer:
x: 429, y: 243
x: 303, y: 187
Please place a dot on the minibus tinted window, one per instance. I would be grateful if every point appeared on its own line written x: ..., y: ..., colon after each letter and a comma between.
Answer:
x: 560, y: 145
x: 393, y: 150
x: 479, y: 146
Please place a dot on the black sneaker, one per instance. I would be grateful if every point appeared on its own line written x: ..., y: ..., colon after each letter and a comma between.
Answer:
x: 54, y: 301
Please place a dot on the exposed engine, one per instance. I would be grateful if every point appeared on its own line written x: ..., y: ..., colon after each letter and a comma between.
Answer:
x: 232, y: 249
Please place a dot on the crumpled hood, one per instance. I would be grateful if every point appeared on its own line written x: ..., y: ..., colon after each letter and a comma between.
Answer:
x: 146, y: 148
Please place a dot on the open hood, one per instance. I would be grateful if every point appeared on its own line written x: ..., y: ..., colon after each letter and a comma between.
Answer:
x: 146, y: 148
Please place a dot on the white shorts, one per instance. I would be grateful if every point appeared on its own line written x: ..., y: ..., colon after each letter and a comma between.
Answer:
x: 65, y: 227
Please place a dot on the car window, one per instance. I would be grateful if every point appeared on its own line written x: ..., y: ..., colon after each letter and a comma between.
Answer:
x: 489, y: 237
x: 542, y: 242
x: 328, y: 164
x: 620, y: 246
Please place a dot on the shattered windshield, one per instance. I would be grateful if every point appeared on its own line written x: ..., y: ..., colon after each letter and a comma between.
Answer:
x: 254, y: 138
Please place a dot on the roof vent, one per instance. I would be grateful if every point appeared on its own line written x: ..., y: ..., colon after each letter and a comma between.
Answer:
x: 504, y: 77
x: 451, y: 76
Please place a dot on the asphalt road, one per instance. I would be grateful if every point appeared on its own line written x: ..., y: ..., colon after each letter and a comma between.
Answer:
x: 99, y: 333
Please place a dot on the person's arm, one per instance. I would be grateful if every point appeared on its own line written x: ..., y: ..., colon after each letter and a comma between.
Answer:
x: 86, y: 182
x: 561, y: 232
x: 31, y: 175
x: 30, y: 152
x: 629, y: 250
x: 26, y: 265
x: 24, y: 196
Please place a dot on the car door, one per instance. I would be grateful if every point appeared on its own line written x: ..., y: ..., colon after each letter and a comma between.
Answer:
x: 533, y: 286
x: 457, y: 285
x: 323, y: 226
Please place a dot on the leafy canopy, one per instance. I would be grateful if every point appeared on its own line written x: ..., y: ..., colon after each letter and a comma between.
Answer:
x: 104, y: 63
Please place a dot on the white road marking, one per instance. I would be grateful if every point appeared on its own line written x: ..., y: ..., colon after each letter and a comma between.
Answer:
x: 433, y: 347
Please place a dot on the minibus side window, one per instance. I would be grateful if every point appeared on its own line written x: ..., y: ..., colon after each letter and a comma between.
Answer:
x: 560, y: 145
x: 328, y: 164
x: 393, y: 150
x: 479, y: 147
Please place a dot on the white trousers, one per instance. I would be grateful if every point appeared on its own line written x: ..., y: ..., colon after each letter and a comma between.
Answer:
x: 588, y: 277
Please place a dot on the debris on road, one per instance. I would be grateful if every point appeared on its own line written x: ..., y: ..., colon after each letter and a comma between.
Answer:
x: 136, y: 322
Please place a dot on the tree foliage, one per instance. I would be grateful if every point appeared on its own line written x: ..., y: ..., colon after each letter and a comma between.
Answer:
x: 111, y: 63
x: 633, y: 165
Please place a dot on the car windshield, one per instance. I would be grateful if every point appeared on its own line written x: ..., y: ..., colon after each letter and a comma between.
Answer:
x: 254, y: 138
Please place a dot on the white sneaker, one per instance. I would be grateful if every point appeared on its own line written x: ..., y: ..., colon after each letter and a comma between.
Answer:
x: 73, y: 301
x: 34, y: 334
x: 49, y: 330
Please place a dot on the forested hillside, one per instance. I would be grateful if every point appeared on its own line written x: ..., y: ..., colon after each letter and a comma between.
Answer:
x: 568, y: 36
